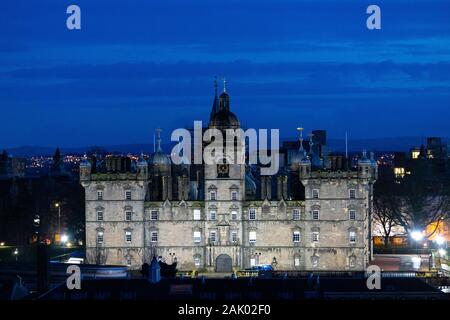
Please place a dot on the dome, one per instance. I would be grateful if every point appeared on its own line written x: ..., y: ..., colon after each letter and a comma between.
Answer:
x: 160, y: 158
x: 141, y: 161
x: 225, y: 119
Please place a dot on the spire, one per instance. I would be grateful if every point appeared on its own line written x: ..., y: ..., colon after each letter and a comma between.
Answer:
x: 300, y: 130
x: 158, y: 140
x: 215, y: 107
x: 224, y: 85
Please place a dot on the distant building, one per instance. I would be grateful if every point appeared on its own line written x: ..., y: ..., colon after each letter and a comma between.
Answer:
x: 221, y: 217
x: 11, y: 167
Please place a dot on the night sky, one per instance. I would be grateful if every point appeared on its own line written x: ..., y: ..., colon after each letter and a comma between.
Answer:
x: 137, y: 65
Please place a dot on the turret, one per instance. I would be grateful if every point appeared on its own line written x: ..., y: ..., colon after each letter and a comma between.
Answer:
x: 142, y: 168
x: 364, y: 166
x: 85, y: 169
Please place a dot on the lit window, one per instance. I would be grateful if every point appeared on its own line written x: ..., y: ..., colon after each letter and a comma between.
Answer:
x: 352, y: 215
x: 315, y: 193
x: 296, y: 236
x: 127, y: 195
x: 296, y: 214
x: 128, y: 216
x: 252, y: 214
x: 233, y: 215
x: 234, y: 195
x: 352, y: 194
x: 100, y: 237
x: 212, y: 214
x: 197, y: 237
x: 234, y: 237
x: 100, y: 195
x: 197, y: 214
x: 296, y: 262
x: 212, y: 196
x: 315, y: 262
x: 99, y: 215
x: 252, y: 237
x: 252, y: 262
x: 315, y: 236
x: 154, y: 215
x: 315, y: 214
x: 154, y: 236
x: 128, y: 236
x: 352, y: 236
x: 213, y: 236
x: 197, y: 262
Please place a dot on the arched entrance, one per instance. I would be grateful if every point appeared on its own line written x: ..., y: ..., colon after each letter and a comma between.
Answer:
x: 224, y: 263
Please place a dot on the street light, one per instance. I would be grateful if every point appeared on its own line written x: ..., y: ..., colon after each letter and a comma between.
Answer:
x: 64, y: 238
x: 417, y: 235
x: 439, y: 240
x: 16, y: 253
x: 57, y: 205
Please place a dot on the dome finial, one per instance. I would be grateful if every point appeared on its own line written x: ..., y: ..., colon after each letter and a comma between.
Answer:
x: 158, y: 139
x: 300, y: 130
x: 224, y: 84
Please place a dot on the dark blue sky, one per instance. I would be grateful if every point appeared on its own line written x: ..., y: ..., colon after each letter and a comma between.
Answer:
x: 137, y: 65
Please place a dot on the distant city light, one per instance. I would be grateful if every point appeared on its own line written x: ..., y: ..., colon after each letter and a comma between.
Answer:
x: 16, y: 252
x: 69, y: 244
x: 2, y: 244
x: 417, y: 235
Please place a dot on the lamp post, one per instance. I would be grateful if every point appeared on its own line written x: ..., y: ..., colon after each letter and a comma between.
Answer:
x: 58, y: 205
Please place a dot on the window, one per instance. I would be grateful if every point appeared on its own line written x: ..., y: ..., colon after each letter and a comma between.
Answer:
x: 233, y: 215
x: 252, y: 237
x: 352, y: 261
x: 197, y: 214
x: 128, y: 236
x: 296, y: 214
x: 234, y: 195
x: 252, y: 214
x: 315, y: 236
x: 315, y: 262
x: 99, y: 215
x: 296, y: 262
x: 212, y: 214
x: 212, y: 196
x: 197, y: 262
x: 315, y: 194
x: 197, y: 237
x: 352, y: 214
x: 234, y: 238
x: 213, y: 236
x: 154, y: 236
x: 315, y: 215
x: 100, y: 237
x: 128, y: 262
x: 128, y: 216
x: 127, y: 195
x: 352, y: 193
x: 252, y: 262
x: 100, y: 195
x: 154, y: 215
x: 352, y: 236
x: 296, y: 236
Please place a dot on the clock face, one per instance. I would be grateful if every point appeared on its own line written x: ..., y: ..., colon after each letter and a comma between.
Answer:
x: 223, y: 170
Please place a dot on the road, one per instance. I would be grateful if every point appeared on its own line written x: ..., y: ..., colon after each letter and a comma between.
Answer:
x: 401, y: 262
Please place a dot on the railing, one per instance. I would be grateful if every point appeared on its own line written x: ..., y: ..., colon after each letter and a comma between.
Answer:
x: 337, y: 274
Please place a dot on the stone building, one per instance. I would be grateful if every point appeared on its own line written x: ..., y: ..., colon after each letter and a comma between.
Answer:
x: 314, y: 214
